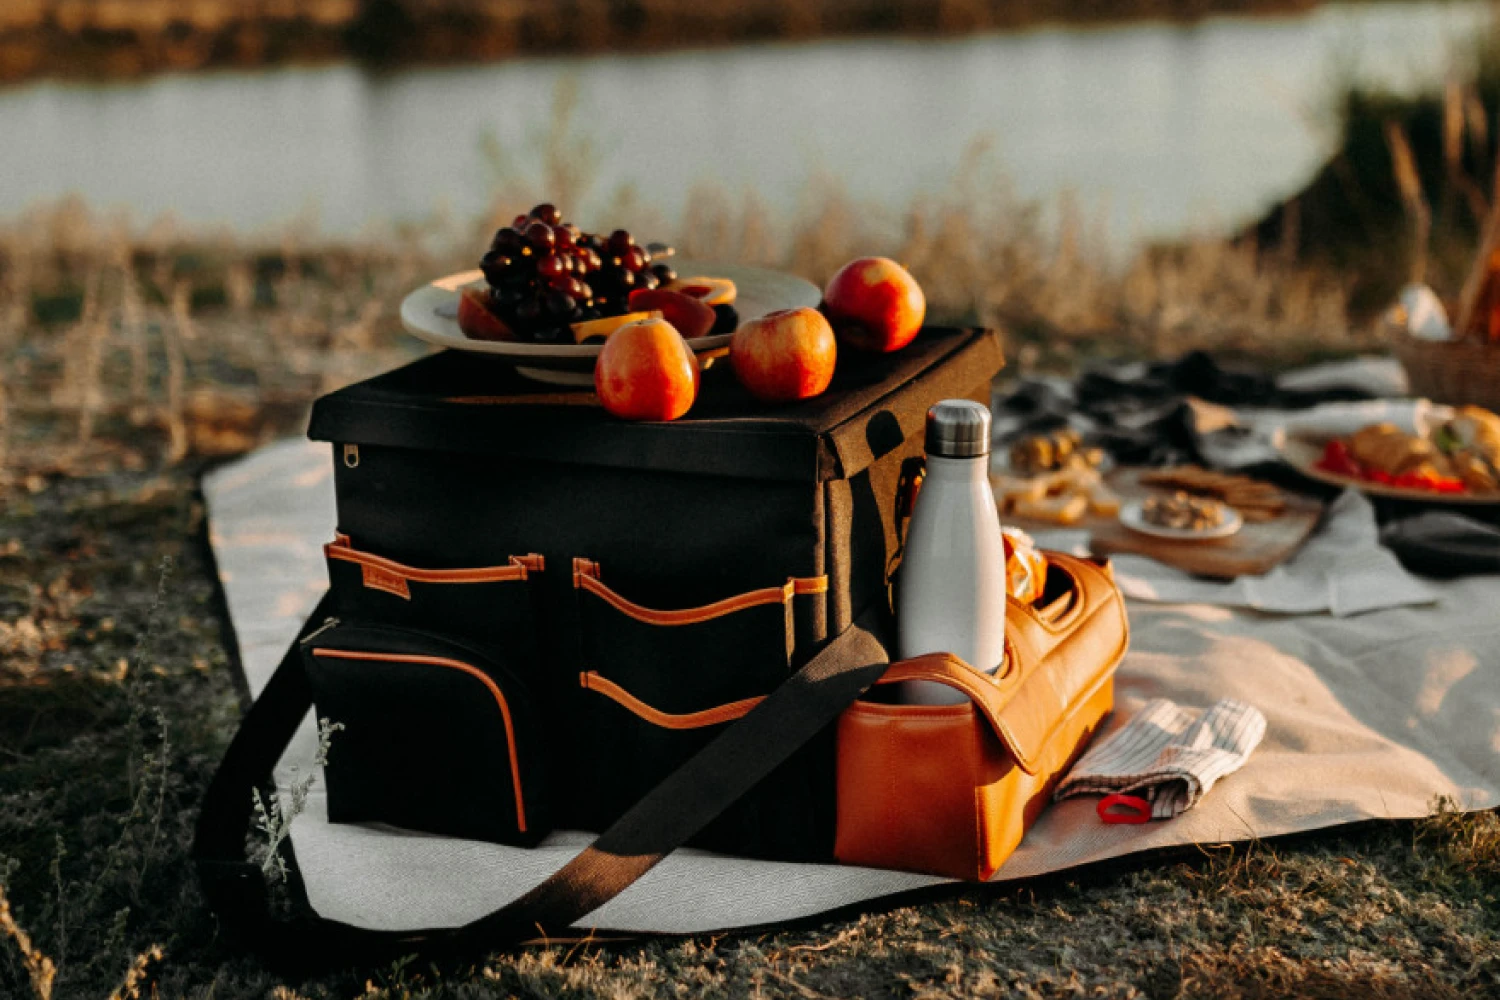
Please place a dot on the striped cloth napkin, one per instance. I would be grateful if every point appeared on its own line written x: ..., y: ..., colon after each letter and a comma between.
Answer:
x: 1166, y: 756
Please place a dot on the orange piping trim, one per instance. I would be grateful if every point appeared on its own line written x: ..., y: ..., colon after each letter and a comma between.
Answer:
x: 532, y: 561
x: 686, y: 616
x: 583, y: 567
x: 516, y: 570
x: 440, y: 661
x: 585, y: 578
x: 591, y: 681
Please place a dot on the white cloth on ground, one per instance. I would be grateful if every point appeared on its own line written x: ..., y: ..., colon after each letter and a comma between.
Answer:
x: 1167, y: 756
x: 1378, y: 374
x: 1368, y: 718
x: 1329, y: 420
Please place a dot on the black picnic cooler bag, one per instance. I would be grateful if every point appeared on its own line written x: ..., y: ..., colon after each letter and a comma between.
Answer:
x: 541, y: 617
x: 543, y: 611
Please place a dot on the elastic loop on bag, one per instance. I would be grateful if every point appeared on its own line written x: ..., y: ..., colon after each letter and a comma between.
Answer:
x: 1135, y: 809
x: 592, y: 681
x: 380, y: 573
x: 586, y: 577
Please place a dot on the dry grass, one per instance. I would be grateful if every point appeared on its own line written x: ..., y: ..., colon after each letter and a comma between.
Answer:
x: 125, y: 351
x: 1408, y: 192
x: 123, y: 348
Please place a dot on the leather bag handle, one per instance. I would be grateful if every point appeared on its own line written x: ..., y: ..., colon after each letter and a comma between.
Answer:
x: 1024, y: 704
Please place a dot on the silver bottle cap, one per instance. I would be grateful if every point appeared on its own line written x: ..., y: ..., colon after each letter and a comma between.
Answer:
x: 958, y: 428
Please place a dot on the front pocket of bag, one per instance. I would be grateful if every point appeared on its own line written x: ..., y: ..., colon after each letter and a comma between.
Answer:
x: 492, y: 605
x: 948, y: 789
x: 437, y: 736
x: 659, y: 684
x: 908, y: 781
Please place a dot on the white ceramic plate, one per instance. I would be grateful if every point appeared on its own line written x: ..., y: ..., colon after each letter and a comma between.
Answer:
x: 1132, y: 517
x: 431, y: 313
x: 1303, y: 454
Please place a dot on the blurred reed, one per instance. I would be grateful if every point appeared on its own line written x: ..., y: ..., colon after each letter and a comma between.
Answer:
x: 130, y: 350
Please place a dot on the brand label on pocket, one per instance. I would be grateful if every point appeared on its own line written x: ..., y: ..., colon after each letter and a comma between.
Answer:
x: 377, y: 578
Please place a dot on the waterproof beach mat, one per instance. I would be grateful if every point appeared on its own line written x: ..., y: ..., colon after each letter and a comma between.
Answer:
x: 1369, y: 717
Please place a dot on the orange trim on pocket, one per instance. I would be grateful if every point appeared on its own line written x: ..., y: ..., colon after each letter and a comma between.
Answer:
x: 684, y: 616
x: 582, y: 568
x: 472, y: 671
x: 588, y: 579
x: 392, y: 577
x: 532, y: 561
x: 591, y: 681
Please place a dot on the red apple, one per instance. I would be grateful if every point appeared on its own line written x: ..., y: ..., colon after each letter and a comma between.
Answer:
x: 784, y: 355
x: 874, y: 304
x: 477, y: 321
x: 646, y: 371
x: 691, y: 317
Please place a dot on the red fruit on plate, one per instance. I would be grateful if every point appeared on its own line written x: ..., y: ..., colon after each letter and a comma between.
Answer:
x: 477, y: 321
x: 784, y: 355
x: 689, y: 315
x: 875, y: 304
x: 1337, y: 460
x: 646, y: 371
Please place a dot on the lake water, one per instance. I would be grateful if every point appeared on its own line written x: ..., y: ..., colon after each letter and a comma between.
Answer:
x: 1162, y: 129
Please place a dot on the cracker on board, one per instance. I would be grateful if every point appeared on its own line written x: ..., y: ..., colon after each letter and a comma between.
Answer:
x: 1065, y: 508
x: 1256, y: 501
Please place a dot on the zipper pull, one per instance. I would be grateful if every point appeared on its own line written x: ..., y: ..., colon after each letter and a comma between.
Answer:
x: 328, y: 624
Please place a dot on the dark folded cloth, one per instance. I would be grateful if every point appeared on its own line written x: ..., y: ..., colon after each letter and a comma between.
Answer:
x: 1160, y: 414
x: 1152, y: 414
x: 1444, y: 544
x: 1198, y: 374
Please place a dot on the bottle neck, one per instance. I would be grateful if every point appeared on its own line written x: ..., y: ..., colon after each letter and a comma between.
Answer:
x: 958, y: 470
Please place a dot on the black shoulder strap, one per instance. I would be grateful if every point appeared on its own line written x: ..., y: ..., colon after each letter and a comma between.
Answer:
x: 663, y: 820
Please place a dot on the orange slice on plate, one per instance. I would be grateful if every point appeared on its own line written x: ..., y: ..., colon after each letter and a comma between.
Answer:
x: 606, y: 325
x: 709, y: 291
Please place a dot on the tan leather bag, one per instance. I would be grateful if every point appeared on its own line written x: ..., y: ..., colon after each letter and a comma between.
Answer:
x: 951, y: 789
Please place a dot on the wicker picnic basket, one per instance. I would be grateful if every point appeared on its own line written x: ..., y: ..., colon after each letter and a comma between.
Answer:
x: 1464, y: 371
x: 1459, y: 372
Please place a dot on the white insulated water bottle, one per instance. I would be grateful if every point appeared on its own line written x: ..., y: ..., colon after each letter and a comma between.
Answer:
x: 950, y: 596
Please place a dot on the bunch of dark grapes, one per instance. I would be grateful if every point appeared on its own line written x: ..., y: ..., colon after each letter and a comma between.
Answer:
x: 545, y: 274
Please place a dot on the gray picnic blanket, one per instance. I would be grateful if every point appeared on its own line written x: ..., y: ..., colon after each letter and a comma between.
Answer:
x: 1369, y: 716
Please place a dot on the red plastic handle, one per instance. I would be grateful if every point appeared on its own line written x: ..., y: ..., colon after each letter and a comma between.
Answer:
x: 1135, y: 809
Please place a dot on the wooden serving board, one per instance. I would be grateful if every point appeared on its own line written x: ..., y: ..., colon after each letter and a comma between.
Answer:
x: 1255, y: 549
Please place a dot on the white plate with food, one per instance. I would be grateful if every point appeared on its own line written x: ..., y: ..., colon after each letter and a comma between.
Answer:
x: 431, y: 313
x: 1310, y: 456
x: 1162, y: 517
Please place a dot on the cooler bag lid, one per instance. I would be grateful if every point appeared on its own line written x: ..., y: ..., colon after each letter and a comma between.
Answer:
x: 472, y: 404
